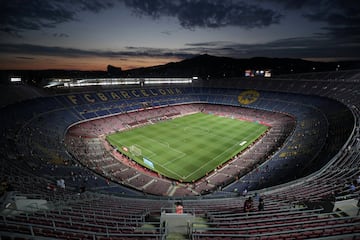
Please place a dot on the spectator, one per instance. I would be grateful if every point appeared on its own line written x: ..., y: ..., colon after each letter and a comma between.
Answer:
x: 179, y: 208
x: 352, y: 188
x: 3, y: 187
x: 244, y: 192
x: 256, y: 196
x: 51, y: 187
x: 248, y: 205
x: 61, y: 183
x: 261, y: 204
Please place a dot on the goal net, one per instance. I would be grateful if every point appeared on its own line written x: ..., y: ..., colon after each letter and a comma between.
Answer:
x: 135, y: 150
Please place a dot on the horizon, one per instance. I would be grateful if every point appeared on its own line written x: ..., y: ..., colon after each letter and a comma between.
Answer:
x: 90, y: 35
x: 105, y: 69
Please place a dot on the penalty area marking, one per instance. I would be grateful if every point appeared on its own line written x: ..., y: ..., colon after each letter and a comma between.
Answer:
x: 152, y: 154
x: 167, y: 145
x: 156, y: 162
x: 210, y: 161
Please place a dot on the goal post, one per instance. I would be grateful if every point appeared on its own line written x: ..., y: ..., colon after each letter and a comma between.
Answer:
x: 135, y: 150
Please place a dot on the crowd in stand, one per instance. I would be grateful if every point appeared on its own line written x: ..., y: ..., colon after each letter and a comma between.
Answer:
x: 94, y: 153
x: 28, y: 166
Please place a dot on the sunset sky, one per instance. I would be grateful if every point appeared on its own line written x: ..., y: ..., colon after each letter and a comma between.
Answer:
x: 90, y: 34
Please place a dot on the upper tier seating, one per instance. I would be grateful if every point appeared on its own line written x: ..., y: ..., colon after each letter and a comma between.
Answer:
x: 326, y: 139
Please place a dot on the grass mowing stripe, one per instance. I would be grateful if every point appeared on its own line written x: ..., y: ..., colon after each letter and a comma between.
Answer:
x: 186, y: 148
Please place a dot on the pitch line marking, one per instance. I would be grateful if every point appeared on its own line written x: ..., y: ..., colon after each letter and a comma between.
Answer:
x: 181, y: 154
x: 152, y: 155
x: 253, y: 134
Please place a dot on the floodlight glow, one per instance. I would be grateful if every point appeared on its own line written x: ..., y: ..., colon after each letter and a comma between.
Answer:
x: 119, y: 81
x: 15, y: 79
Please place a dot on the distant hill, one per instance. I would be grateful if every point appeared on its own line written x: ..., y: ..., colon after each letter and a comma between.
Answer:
x: 207, y: 65
x: 203, y: 66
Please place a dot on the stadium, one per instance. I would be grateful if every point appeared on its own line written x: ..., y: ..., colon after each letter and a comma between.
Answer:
x: 115, y: 162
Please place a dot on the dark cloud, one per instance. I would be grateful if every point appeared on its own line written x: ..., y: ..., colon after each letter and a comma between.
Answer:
x: 61, y: 35
x: 207, y: 13
x: 332, y: 12
x: 93, y: 5
x: 20, y: 15
x: 301, y: 47
x: 166, y: 33
x: 25, y: 58
x: 10, y: 31
x: 208, y: 44
x: 37, y: 50
x: 335, y: 13
x: 154, y: 52
x: 340, y: 17
x: 292, y: 4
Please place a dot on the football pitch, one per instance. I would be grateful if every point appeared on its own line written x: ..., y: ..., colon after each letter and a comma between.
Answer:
x: 188, y: 147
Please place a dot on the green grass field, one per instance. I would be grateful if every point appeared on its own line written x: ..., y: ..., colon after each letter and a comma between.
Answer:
x: 186, y: 148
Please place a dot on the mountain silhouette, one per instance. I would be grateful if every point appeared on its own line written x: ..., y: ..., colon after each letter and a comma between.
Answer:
x: 212, y: 66
x: 204, y: 66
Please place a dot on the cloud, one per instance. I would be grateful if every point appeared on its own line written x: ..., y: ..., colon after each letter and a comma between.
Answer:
x: 298, y: 47
x: 37, y: 50
x: 337, y: 14
x: 207, y: 13
x: 61, y: 35
x: 21, y: 15
x: 332, y: 12
x: 26, y: 58
x: 341, y: 18
x: 291, y: 4
x: 208, y: 44
x: 166, y: 33
x: 319, y: 46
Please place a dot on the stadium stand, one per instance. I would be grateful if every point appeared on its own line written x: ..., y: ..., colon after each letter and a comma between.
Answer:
x: 307, y: 161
